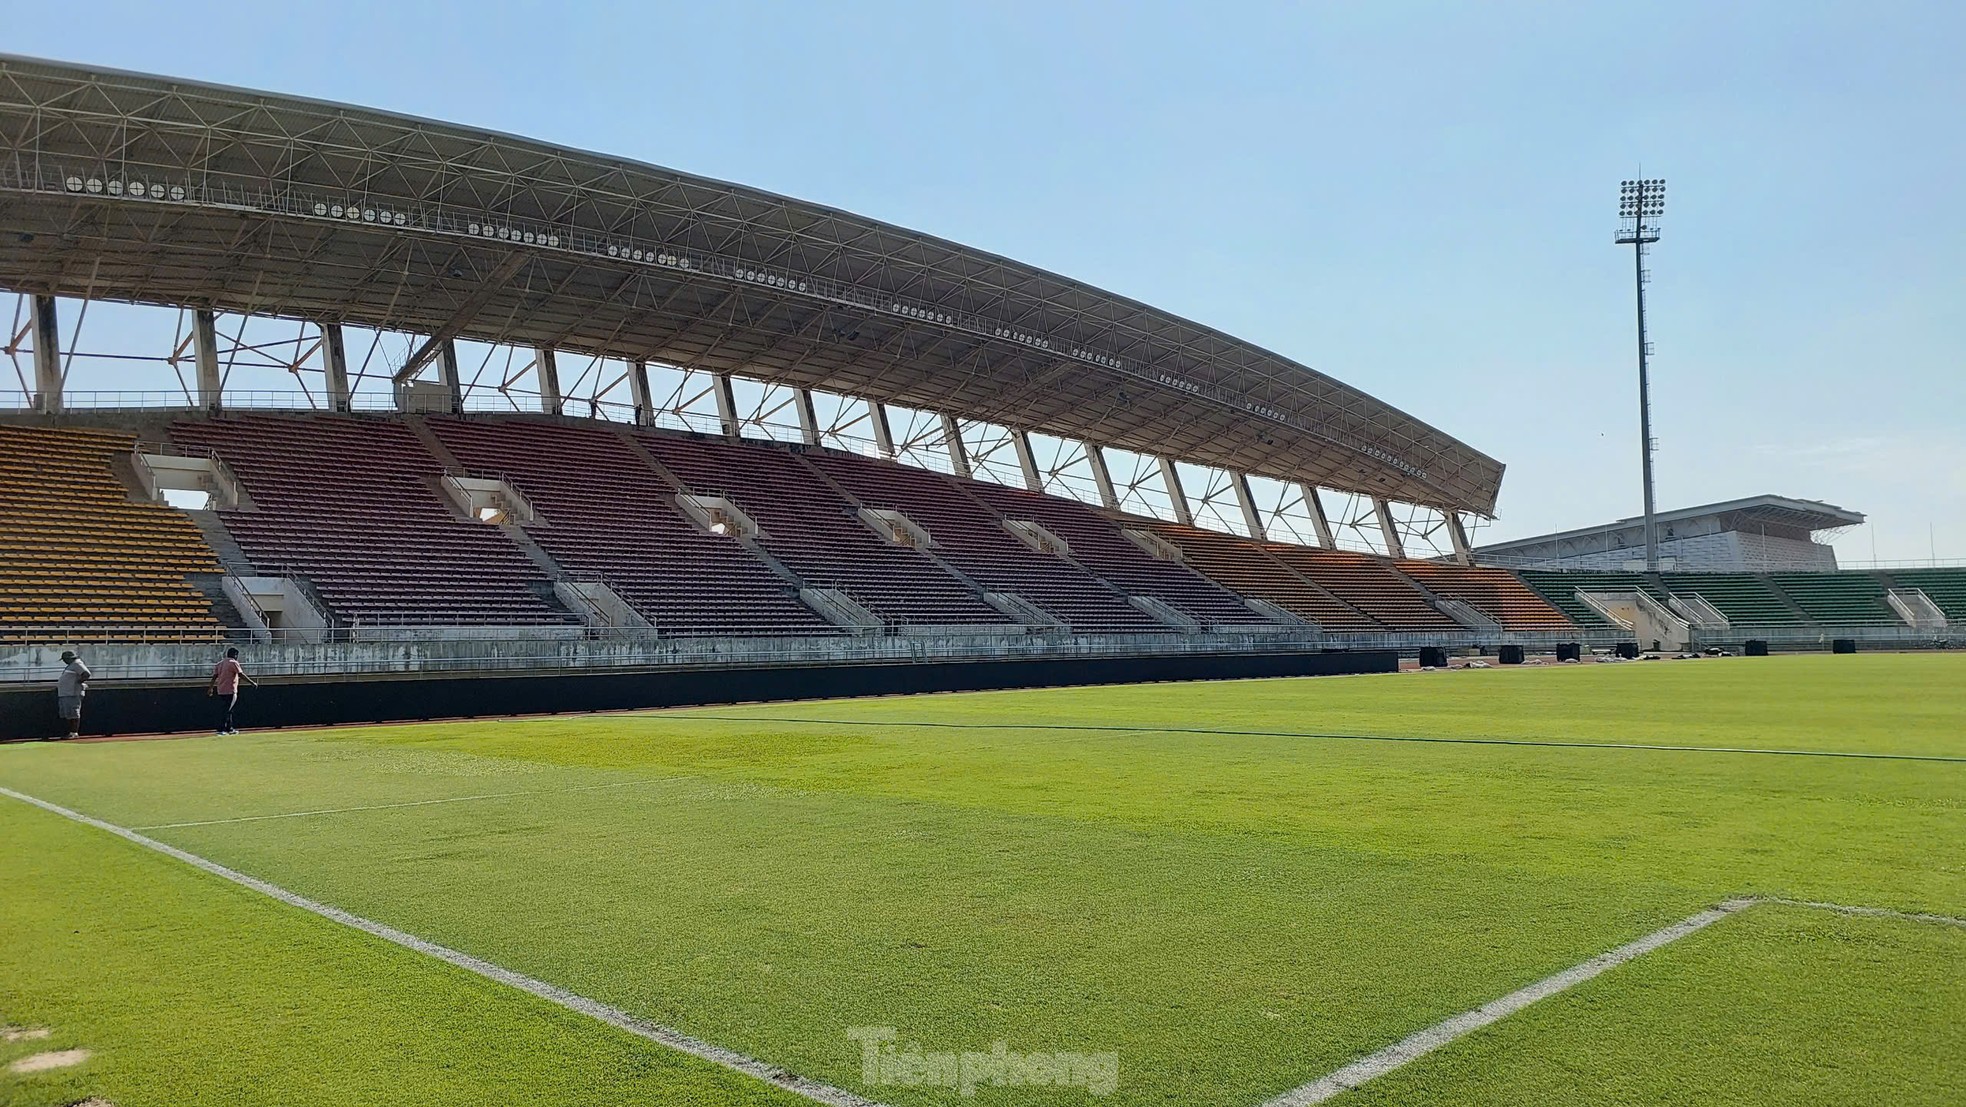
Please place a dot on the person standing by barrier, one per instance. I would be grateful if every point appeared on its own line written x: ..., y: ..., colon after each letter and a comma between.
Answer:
x: 69, y: 690
x: 225, y: 686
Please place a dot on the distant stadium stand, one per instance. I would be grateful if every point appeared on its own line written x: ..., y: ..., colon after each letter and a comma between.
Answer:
x: 1097, y: 544
x: 1496, y: 593
x: 79, y: 557
x: 1945, y: 587
x: 1244, y: 566
x: 1743, y: 597
x: 971, y: 538
x: 813, y: 530
x: 352, y: 506
x: 1839, y: 599
x: 1561, y: 588
x: 1367, y: 583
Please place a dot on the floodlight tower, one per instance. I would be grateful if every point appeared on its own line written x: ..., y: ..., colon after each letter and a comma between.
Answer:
x: 1640, y: 205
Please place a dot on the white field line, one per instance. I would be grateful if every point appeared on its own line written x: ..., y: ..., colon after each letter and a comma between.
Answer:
x: 1870, y: 912
x: 613, y: 1016
x: 1441, y: 1033
x: 1373, y: 1065
x: 410, y: 803
x: 1417, y: 1045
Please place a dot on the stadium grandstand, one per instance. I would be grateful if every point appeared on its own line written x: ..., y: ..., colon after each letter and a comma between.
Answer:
x: 540, y: 412
x: 1756, y: 534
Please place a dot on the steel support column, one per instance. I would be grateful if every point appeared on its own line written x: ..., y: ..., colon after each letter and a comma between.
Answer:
x: 1102, y: 477
x: 808, y: 418
x: 883, y: 431
x: 204, y: 345
x: 1458, y: 534
x: 952, y: 444
x: 726, y: 403
x: 447, y: 374
x: 1384, y: 510
x: 1183, y: 514
x: 1027, y: 460
x: 334, y: 365
x: 638, y: 387
x: 1314, y: 507
x: 547, y: 368
x: 47, y: 356
x: 1251, y: 518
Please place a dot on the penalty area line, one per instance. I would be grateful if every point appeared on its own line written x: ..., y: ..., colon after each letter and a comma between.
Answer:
x: 1417, y: 1045
x: 613, y: 1016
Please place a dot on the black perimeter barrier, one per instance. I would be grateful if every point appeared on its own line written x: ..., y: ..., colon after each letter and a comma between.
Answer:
x: 147, y: 707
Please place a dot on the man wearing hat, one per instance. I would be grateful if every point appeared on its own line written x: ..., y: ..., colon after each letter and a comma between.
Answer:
x: 69, y: 690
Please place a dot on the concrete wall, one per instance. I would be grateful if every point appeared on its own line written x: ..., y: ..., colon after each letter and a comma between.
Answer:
x: 148, y: 706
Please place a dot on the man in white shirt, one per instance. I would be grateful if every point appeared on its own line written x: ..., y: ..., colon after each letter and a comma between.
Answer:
x: 69, y: 690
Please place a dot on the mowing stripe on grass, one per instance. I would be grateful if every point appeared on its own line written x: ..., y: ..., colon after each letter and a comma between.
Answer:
x: 1433, y: 1037
x: 1119, y: 728
x: 410, y: 803
x: 594, y: 1009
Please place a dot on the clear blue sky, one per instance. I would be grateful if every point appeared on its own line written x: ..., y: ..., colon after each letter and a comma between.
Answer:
x: 1417, y: 198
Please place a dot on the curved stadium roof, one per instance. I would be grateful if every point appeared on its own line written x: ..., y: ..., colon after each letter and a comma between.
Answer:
x: 258, y: 203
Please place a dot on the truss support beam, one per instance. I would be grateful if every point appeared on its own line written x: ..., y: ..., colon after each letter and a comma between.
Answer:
x: 461, y: 318
x: 883, y: 430
x: 638, y: 387
x: 47, y: 356
x: 1457, y: 532
x: 808, y: 417
x: 952, y: 444
x: 1251, y: 518
x: 726, y: 403
x: 1383, y: 508
x: 204, y: 345
x: 334, y: 366
x: 1027, y: 460
x: 1314, y: 507
x: 546, y: 366
x: 1102, y: 477
x: 1183, y: 514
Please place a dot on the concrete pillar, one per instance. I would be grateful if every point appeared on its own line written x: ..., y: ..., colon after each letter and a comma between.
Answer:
x: 1170, y: 477
x: 1251, y: 518
x: 1385, y: 512
x: 47, y: 356
x: 883, y: 432
x: 808, y: 418
x: 952, y: 444
x: 1458, y: 534
x: 204, y: 345
x: 546, y: 367
x: 726, y: 403
x: 447, y: 373
x: 1027, y: 461
x: 1315, y: 508
x: 334, y: 358
x: 638, y: 387
x: 1102, y: 477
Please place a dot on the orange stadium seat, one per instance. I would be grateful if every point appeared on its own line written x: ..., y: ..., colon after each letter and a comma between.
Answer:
x: 80, y: 557
x: 1496, y: 593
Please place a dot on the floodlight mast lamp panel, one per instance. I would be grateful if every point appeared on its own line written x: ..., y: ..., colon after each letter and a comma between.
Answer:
x: 1641, y: 203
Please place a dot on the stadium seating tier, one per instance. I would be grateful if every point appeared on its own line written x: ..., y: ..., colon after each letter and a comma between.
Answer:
x: 80, y: 553
x: 353, y: 506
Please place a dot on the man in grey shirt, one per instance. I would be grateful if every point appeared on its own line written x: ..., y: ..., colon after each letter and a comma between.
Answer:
x: 69, y: 690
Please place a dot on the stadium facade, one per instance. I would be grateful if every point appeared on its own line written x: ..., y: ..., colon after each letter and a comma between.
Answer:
x: 559, y: 414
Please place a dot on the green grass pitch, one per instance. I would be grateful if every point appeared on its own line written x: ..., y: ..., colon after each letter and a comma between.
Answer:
x: 1234, y: 888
